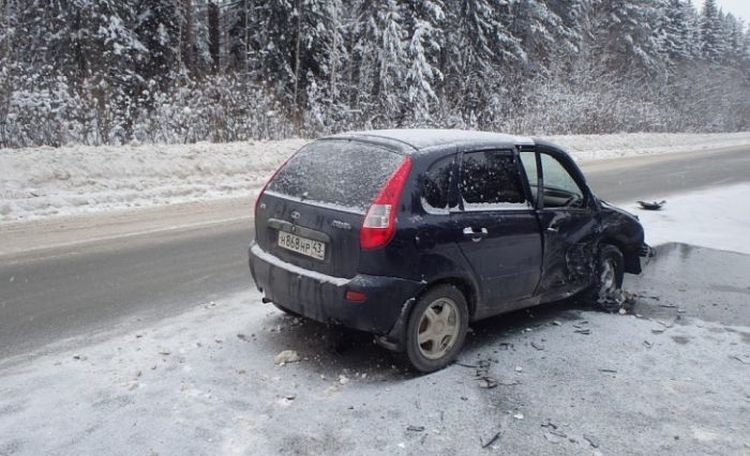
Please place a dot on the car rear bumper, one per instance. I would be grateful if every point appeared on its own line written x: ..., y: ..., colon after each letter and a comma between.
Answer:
x: 322, y: 297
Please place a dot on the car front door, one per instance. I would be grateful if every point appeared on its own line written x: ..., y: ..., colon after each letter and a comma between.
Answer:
x: 500, y: 234
x: 567, y: 218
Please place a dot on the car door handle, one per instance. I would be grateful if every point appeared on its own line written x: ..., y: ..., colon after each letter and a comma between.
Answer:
x: 475, y: 236
x: 553, y: 229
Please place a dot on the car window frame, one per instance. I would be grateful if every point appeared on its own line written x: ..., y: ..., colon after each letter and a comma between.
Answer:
x: 512, y: 151
x: 567, y: 166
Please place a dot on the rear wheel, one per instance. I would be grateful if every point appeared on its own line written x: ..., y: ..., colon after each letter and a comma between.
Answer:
x: 437, y: 328
x: 606, y: 291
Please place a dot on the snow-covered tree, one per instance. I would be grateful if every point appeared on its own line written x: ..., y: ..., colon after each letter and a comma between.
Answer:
x: 99, y: 71
x: 624, y: 33
x: 711, y: 37
x: 675, y: 31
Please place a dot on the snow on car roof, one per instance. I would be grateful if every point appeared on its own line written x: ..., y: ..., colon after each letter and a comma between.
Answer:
x: 422, y: 139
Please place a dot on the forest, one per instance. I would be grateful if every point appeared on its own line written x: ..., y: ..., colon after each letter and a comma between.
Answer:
x: 181, y: 71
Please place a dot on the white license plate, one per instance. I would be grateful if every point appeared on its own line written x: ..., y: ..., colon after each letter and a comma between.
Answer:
x: 308, y: 247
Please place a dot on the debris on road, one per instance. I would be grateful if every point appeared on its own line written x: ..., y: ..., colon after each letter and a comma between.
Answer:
x: 487, y: 382
x: 585, y: 331
x: 608, y: 371
x: 537, y: 346
x: 594, y: 442
x: 652, y: 205
x: 412, y: 428
x: 286, y: 357
x: 492, y: 440
x: 739, y: 359
x: 555, y: 436
x: 667, y: 324
x: 647, y: 344
x: 549, y: 424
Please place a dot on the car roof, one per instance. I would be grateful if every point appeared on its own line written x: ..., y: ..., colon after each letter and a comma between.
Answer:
x: 410, y: 141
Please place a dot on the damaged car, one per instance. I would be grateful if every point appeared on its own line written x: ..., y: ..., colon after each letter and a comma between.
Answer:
x: 411, y: 235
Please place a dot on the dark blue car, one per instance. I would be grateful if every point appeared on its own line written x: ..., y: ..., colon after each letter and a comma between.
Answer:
x: 412, y: 234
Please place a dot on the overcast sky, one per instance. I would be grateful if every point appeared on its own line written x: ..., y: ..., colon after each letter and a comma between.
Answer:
x: 739, y: 8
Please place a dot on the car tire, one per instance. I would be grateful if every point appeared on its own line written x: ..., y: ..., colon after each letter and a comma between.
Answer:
x: 606, y: 291
x: 437, y: 328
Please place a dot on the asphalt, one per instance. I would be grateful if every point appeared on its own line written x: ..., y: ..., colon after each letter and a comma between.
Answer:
x: 86, y: 288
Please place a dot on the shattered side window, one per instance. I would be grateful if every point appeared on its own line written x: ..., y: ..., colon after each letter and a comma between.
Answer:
x: 436, y: 185
x: 490, y: 180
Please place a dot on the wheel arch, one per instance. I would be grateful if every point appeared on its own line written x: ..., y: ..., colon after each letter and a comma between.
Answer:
x: 463, y: 284
x: 630, y: 255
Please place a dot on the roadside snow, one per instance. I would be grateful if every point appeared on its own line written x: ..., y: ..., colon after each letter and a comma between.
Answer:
x: 43, y: 182
x: 718, y: 218
x: 601, y: 147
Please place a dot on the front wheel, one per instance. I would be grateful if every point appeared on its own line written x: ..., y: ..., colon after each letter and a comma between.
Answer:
x: 606, y: 290
x: 437, y: 328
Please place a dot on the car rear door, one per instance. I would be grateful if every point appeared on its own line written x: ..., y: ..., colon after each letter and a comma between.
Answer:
x: 567, y: 219
x: 312, y: 211
x: 500, y: 234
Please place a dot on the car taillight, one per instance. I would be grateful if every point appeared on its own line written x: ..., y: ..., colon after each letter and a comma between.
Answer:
x: 380, y: 220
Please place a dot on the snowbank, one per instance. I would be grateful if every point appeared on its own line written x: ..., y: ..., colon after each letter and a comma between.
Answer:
x: 42, y: 182
x: 45, y: 181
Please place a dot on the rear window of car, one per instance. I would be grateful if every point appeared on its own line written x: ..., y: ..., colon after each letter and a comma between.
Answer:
x: 341, y: 173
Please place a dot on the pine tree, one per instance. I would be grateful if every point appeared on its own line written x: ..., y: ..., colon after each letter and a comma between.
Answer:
x: 734, y: 39
x: 539, y: 31
x: 479, y: 46
x: 624, y: 32
x: 201, y: 52
x: 675, y: 31
x: 214, y: 35
x: 158, y: 26
x: 712, y: 46
x: 424, y: 30
x: 572, y: 14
